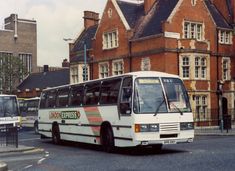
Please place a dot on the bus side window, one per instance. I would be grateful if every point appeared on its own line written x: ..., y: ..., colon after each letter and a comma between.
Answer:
x: 92, y: 93
x: 126, y: 96
x: 62, y: 97
x: 110, y: 91
x: 51, y: 99
x: 43, y: 100
x: 76, y: 95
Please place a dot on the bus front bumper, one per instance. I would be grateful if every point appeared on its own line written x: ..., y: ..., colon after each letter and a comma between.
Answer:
x: 144, y: 139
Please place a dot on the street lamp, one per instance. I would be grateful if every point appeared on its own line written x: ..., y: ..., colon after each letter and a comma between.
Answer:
x: 85, y: 61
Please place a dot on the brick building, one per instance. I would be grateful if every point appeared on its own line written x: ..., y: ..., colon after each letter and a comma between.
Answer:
x: 19, y: 39
x: 190, y: 38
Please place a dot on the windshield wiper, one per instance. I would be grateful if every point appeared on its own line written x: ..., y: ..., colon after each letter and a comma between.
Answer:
x: 158, y: 107
x: 178, y: 109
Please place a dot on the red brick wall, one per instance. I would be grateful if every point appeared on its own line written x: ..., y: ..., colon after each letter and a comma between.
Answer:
x: 109, y: 24
x: 106, y: 25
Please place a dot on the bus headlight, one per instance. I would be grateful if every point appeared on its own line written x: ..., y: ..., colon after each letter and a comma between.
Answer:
x: 186, y: 126
x: 154, y: 127
x: 146, y: 127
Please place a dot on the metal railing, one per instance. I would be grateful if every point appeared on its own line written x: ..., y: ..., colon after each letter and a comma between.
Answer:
x: 211, y: 119
x: 8, y: 136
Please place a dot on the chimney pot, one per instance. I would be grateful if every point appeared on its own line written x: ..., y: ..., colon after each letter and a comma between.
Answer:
x: 90, y: 19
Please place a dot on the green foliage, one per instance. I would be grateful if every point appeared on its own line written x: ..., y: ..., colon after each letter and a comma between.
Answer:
x: 12, y: 71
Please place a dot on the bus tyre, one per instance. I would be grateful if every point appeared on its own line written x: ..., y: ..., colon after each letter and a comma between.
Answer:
x: 55, y: 134
x: 107, y: 140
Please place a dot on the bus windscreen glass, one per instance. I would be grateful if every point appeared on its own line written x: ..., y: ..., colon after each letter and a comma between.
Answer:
x: 176, y: 95
x: 8, y: 106
x: 149, y: 96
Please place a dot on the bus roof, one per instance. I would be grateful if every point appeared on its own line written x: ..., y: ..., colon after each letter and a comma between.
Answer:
x: 7, y: 95
x: 33, y: 98
x: 137, y: 73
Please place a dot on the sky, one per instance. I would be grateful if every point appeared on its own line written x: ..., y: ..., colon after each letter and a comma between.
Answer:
x: 56, y: 19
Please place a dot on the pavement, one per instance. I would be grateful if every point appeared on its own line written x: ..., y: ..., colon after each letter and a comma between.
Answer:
x: 10, y: 149
x: 211, y: 131
x: 216, y: 131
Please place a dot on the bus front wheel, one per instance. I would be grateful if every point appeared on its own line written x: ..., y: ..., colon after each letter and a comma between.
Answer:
x: 107, y: 139
x: 55, y: 134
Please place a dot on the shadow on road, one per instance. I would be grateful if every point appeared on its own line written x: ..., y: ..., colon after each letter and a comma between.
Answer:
x: 132, y: 151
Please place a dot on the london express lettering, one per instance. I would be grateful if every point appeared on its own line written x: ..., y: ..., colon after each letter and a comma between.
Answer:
x: 65, y: 115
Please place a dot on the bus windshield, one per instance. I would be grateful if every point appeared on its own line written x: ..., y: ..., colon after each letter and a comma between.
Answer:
x: 149, y: 96
x: 8, y: 106
x: 176, y: 95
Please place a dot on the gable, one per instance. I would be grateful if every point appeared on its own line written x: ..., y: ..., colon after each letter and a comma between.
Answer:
x: 112, y: 4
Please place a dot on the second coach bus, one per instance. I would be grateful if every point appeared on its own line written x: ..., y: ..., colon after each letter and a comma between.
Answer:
x: 29, y: 112
x: 9, y: 111
x: 134, y: 109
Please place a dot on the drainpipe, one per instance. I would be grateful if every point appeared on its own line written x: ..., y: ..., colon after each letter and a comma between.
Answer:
x: 130, y: 55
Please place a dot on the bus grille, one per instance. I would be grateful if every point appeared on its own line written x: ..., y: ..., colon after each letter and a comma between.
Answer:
x: 169, y: 127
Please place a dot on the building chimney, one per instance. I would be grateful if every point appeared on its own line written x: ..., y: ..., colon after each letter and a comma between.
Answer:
x: 90, y: 19
x: 45, y: 68
x: 148, y: 4
x: 65, y: 63
x: 9, y: 22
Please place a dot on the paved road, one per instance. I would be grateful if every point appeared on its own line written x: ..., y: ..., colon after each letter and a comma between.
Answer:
x: 206, y: 153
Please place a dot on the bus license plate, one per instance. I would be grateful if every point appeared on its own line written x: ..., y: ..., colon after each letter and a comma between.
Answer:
x: 169, y: 142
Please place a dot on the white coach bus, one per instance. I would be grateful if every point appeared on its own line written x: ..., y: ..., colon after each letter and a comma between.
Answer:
x: 134, y: 109
x: 9, y: 111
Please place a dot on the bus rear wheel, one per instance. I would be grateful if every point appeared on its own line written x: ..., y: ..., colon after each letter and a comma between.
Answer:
x: 56, y: 134
x: 107, y: 139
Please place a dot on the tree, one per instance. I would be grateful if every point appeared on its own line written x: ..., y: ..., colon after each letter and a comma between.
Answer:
x: 12, y: 71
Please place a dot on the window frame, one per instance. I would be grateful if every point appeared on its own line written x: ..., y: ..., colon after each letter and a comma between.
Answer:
x: 185, y: 66
x: 201, y: 107
x: 74, y: 74
x: 193, y: 30
x: 226, y: 71
x: 110, y: 39
x: 91, y: 100
x: 118, y: 67
x: 65, y: 90
x: 72, y: 98
x: 225, y: 37
x: 104, y: 90
x: 103, y: 69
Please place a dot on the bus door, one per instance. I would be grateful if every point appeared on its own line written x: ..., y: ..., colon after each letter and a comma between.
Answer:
x: 125, y: 101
